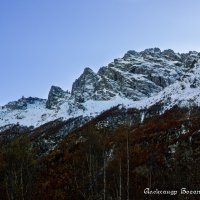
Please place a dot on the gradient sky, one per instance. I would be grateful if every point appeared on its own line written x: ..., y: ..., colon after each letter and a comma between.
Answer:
x: 50, y: 42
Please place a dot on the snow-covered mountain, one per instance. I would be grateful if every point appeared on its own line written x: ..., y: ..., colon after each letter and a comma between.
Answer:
x: 138, y: 80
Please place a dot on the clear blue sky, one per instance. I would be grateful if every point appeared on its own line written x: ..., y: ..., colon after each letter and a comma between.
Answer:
x: 50, y: 42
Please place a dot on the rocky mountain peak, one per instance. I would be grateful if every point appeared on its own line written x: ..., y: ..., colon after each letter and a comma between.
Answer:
x: 135, y: 79
x: 137, y: 75
x: 55, y: 95
x: 84, y: 87
x: 171, y: 55
x: 189, y: 58
x: 88, y: 71
x: 151, y: 52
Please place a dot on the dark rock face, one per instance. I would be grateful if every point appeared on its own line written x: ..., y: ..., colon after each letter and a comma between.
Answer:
x: 154, y: 52
x: 83, y: 87
x: 171, y: 55
x: 55, y: 94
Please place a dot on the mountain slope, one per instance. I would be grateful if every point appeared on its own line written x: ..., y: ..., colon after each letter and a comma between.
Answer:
x: 164, y: 155
x: 135, y: 121
x: 139, y: 80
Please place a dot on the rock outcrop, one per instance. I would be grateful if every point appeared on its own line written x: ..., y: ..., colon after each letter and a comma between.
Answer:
x: 56, y: 94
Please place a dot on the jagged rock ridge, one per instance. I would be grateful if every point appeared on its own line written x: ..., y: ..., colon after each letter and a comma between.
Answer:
x: 139, y: 79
